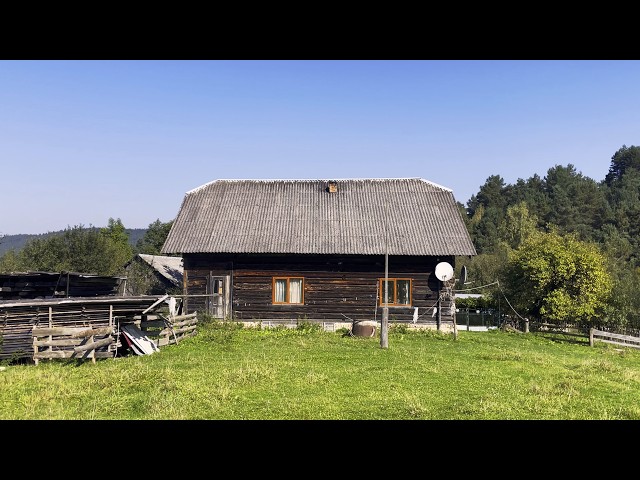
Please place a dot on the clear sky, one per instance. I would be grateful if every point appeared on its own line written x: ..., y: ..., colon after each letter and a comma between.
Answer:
x: 85, y: 140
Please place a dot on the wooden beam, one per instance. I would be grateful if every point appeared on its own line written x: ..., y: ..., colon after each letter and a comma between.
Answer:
x: 94, y: 345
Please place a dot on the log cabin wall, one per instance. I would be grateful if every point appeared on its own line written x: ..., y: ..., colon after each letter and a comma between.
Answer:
x: 335, y: 286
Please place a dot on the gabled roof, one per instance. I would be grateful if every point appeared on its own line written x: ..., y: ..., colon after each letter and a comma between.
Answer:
x: 170, y: 268
x: 407, y: 216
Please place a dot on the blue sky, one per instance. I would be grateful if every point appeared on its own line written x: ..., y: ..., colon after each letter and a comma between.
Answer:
x: 85, y: 140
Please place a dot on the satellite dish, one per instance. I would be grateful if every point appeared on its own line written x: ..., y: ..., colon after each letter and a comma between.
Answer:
x: 444, y: 271
x: 463, y: 274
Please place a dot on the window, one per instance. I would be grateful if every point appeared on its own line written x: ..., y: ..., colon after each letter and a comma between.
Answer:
x: 288, y: 290
x: 399, y: 292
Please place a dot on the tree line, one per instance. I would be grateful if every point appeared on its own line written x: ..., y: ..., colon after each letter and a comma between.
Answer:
x: 91, y: 250
x: 560, y: 248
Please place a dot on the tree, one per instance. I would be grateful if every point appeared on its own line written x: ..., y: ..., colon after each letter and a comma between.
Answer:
x: 577, y: 203
x: 154, y: 238
x: 484, y: 231
x: 558, y: 278
x: 625, y: 159
x: 117, y: 246
x: 624, y: 198
x: 77, y: 249
x: 10, y: 262
x: 533, y: 193
x: 623, y: 310
x: 518, y: 225
x: 491, y: 194
x: 616, y: 247
x: 483, y: 271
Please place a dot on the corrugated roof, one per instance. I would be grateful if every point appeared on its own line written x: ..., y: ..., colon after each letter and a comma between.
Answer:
x: 170, y: 268
x: 409, y: 216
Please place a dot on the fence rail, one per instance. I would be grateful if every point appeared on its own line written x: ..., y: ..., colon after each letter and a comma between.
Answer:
x: 72, y: 342
x: 614, y: 338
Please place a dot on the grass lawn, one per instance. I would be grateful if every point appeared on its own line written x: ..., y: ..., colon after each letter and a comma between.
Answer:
x: 227, y: 372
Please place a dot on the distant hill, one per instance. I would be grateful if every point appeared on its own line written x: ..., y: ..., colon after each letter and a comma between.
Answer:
x: 17, y: 242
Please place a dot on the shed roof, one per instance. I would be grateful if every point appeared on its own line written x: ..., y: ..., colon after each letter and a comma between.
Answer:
x: 407, y: 216
x: 170, y: 268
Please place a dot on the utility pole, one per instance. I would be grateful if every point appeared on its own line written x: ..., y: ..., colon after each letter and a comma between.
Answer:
x: 384, y: 325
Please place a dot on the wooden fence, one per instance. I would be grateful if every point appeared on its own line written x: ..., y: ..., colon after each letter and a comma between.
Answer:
x: 19, y: 317
x: 614, y: 338
x: 84, y: 327
x: 574, y: 334
x: 85, y: 342
x: 167, y: 331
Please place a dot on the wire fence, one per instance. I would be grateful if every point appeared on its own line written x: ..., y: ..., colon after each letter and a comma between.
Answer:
x: 481, y: 317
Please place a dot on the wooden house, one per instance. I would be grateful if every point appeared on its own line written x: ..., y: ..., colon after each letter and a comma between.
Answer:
x: 318, y: 250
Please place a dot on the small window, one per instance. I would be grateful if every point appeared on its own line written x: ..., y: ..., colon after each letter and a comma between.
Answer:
x: 288, y: 290
x: 399, y: 292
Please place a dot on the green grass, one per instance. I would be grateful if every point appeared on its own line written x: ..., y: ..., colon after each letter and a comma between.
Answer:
x: 229, y: 372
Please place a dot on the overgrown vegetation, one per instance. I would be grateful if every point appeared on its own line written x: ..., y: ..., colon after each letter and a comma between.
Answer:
x: 231, y: 372
x: 563, y: 247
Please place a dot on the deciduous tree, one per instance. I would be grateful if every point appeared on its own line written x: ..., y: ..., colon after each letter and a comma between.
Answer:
x: 558, y: 278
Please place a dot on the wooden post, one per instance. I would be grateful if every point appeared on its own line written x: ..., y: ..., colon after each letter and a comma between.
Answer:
x: 591, y: 337
x: 35, y: 350
x: 455, y: 326
x: 112, y: 326
x: 438, y: 317
x: 51, y: 326
x: 384, y: 326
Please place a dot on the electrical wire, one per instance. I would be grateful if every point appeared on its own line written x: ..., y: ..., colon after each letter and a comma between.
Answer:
x: 475, y: 288
x: 507, y: 300
x: 497, y: 282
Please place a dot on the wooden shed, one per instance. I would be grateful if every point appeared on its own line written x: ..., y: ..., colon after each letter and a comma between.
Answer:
x: 29, y: 285
x: 153, y: 275
x: 318, y: 250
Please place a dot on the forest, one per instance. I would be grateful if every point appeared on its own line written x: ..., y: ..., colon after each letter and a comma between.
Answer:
x: 559, y: 248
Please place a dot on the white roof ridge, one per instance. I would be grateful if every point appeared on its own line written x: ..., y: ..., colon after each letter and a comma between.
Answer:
x: 309, y: 180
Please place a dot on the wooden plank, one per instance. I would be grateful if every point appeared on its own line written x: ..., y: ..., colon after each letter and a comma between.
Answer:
x: 54, y: 354
x: 186, y: 322
x: 154, y: 305
x: 618, y: 336
x: 75, y: 332
x: 178, y: 331
x: 632, y: 345
x: 95, y: 331
x: 60, y: 342
x: 93, y: 345
x: 613, y: 338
